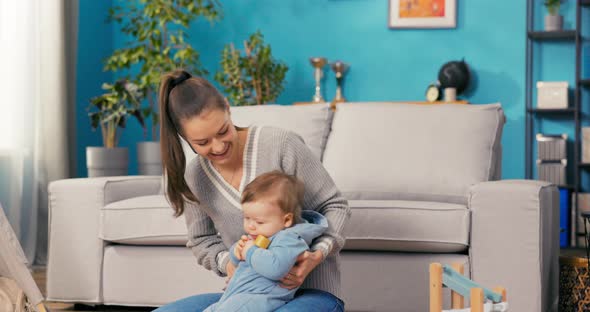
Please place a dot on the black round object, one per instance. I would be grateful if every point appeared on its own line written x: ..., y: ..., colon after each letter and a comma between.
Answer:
x: 454, y: 74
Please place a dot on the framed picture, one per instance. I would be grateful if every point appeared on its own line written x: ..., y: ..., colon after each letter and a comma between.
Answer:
x: 422, y: 13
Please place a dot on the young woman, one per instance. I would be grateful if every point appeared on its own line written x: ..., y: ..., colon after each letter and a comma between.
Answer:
x: 208, y: 190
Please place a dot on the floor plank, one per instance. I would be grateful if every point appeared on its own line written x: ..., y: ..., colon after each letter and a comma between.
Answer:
x: 40, y: 276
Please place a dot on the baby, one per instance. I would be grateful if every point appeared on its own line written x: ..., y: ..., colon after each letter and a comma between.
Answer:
x: 272, y: 209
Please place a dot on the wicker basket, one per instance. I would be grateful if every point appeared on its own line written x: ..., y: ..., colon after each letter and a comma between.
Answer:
x: 574, y: 285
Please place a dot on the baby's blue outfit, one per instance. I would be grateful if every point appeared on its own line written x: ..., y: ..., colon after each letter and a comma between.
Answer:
x: 254, y: 286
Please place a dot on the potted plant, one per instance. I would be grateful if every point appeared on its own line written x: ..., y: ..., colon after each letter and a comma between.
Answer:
x: 254, y: 77
x: 158, y: 44
x: 553, y: 21
x: 109, y: 112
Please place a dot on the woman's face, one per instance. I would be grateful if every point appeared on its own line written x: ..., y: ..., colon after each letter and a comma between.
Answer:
x: 212, y: 135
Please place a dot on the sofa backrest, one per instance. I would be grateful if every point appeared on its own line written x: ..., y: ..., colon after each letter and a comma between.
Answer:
x: 391, y: 151
x: 311, y: 122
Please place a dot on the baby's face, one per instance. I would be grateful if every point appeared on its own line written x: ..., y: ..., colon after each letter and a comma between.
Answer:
x: 264, y: 218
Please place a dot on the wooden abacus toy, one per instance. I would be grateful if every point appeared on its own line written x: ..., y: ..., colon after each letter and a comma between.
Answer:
x: 462, y: 287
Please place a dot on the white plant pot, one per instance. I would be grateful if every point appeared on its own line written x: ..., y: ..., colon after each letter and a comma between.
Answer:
x: 107, y: 162
x: 553, y: 22
x: 149, y: 158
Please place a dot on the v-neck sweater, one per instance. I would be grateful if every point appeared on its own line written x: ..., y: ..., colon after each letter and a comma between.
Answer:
x: 215, y: 223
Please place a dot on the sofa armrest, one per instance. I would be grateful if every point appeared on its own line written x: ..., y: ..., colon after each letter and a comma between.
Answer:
x: 514, y: 241
x: 75, y: 254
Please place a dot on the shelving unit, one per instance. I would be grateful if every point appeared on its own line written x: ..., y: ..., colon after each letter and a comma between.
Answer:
x: 551, y: 110
x: 574, y: 111
x: 552, y: 35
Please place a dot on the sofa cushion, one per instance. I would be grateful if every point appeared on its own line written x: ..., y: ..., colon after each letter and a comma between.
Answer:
x: 388, y: 151
x: 389, y: 225
x: 311, y: 122
x: 408, y: 226
x: 145, y: 220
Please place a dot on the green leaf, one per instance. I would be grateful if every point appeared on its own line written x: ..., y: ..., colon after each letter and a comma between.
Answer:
x: 157, y: 45
x: 251, y: 76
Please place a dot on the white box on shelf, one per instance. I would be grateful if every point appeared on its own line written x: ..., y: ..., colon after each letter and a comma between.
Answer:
x: 583, y: 206
x: 551, y: 146
x: 552, y: 171
x: 586, y: 145
x: 552, y: 94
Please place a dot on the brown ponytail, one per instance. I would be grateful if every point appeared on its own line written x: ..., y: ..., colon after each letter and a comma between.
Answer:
x: 181, y: 97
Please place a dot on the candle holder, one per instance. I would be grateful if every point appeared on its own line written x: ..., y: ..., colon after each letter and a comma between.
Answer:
x: 318, y: 64
x: 340, y: 68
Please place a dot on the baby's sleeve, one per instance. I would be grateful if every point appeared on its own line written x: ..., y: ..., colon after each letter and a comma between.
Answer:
x: 276, y: 261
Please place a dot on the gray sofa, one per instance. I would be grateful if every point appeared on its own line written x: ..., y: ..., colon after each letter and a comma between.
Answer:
x: 423, y: 185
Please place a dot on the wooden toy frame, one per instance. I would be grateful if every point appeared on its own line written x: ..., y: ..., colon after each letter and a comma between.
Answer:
x: 461, y: 287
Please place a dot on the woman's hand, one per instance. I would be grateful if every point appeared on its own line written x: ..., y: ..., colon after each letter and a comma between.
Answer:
x: 306, y: 262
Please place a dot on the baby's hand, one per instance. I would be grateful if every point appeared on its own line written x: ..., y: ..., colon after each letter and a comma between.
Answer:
x: 240, y: 246
x: 247, y: 246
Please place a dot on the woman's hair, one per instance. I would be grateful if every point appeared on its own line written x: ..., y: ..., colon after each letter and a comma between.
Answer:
x: 181, y: 97
x: 279, y: 188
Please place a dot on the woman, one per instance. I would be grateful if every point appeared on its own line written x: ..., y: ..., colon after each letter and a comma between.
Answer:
x: 208, y: 192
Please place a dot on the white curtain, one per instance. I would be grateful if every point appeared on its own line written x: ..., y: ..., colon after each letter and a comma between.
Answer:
x: 37, y: 60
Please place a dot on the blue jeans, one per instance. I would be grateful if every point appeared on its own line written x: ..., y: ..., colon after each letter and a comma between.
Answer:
x: 305, y: 300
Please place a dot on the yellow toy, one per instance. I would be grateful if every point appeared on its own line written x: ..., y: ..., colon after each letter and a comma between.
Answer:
x: 262, y: 242
x: 461, y: 287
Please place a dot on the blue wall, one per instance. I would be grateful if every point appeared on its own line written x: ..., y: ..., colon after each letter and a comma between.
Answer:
x: 386, y: 64
x: 94, y: 44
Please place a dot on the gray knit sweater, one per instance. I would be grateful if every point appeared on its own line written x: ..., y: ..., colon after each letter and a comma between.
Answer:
x: 216, y: 223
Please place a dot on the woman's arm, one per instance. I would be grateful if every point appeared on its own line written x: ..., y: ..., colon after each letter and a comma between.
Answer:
x: 203, y: 240
x: 321, y: 194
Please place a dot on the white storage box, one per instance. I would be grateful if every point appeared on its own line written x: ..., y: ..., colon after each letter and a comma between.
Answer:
x: 583, y: 206
x: 586, y: 144
x: 552, y: 94
x: 552, y: 171
x: 551, y: 146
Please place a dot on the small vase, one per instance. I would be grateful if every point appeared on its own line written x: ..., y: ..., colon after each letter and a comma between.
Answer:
x: 107, y: 162
x: 149, y: 158
x: 553, y: 22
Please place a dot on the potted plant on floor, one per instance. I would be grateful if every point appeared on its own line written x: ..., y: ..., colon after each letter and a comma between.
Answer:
x: 158, y: 44
x: 553, y: 20
x: 254, y: 77
x: 109, y: 112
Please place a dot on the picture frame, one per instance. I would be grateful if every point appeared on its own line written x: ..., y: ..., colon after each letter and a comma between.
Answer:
x: 422, y: 13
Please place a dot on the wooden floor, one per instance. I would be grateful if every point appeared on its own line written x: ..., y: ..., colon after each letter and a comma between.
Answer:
x: 39, y: 275
x: 40, y: 278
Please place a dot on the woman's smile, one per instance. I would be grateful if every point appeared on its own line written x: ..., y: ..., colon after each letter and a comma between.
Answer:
x: 219, y: 156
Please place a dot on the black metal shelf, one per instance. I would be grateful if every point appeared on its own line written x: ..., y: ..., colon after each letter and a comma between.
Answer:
x: 575, y: 113
x: 567, y: 186
x: 553, y: 35
x: 552, y: 110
